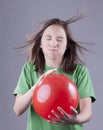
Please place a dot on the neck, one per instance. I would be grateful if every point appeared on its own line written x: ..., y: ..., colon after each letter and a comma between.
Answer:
x: 53, y: 63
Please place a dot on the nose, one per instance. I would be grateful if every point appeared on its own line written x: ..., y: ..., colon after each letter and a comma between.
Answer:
x: 54, y: 43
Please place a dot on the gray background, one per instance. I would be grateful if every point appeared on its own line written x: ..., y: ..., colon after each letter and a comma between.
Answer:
x: 18, y: 18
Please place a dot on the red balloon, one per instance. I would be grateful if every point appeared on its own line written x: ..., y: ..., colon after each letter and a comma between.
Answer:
x: 54, y: 90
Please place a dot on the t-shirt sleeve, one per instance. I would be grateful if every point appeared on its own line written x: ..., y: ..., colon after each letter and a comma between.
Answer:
x: 84, y: 84
x: 24, y: 82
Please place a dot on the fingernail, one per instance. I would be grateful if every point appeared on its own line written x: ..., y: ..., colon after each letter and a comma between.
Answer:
x: 52, y: 111
x: 58, y: 107
x: 48, y: 116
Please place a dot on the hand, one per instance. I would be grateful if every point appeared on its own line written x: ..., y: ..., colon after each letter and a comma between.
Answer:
x: 43, y: 75
x: 66, y: 118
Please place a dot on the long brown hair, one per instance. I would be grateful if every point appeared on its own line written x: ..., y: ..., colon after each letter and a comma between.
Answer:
x: 70, y: 58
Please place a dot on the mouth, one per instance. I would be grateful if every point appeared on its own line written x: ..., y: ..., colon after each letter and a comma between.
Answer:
x: 53, y: 49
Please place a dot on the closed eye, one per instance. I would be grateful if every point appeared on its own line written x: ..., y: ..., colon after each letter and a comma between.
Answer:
x: 48, y: 37
x: 60, y: 39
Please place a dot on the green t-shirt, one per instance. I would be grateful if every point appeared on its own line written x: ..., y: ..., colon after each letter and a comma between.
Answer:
x: 29, y: 77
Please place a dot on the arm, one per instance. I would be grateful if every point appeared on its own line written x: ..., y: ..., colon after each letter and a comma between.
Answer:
x: 85, y: 110
x: 75, y: 118
x: 22, y: 102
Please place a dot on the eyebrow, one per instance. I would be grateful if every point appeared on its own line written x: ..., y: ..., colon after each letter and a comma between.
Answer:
x: 57, y: 36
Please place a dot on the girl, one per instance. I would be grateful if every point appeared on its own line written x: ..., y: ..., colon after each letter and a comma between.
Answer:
x: 52, y: 49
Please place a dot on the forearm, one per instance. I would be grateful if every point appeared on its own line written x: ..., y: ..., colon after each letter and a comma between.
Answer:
x: 22, y: 102
x: 85, y: 111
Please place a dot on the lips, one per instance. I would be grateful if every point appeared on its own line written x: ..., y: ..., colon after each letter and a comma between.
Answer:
x: 53, y: 49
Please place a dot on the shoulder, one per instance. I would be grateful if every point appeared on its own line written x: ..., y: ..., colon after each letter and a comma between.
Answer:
x: 81, y: 71
x: 29, y: 66
x: 80, y: 68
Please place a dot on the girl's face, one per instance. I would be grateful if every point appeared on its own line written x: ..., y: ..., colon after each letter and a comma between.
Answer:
x: 54, y: 42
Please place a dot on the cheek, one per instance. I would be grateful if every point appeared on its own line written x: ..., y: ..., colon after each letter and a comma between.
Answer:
x: 40, y: 45
x: 63, y: 49
x: 43, y: 47
x: 64, y: 46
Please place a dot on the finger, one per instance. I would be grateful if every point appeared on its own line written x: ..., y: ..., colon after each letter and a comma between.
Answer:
x: 52, y: 119
x: 47, y: 73
x: 55, y: 120
x: 56, y: 114
x: 50, y: 71
x: 43, y: 75
x: 65, y: 115
x: 74, y: 111
x: 40, y: 79
x: 37, y: 82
